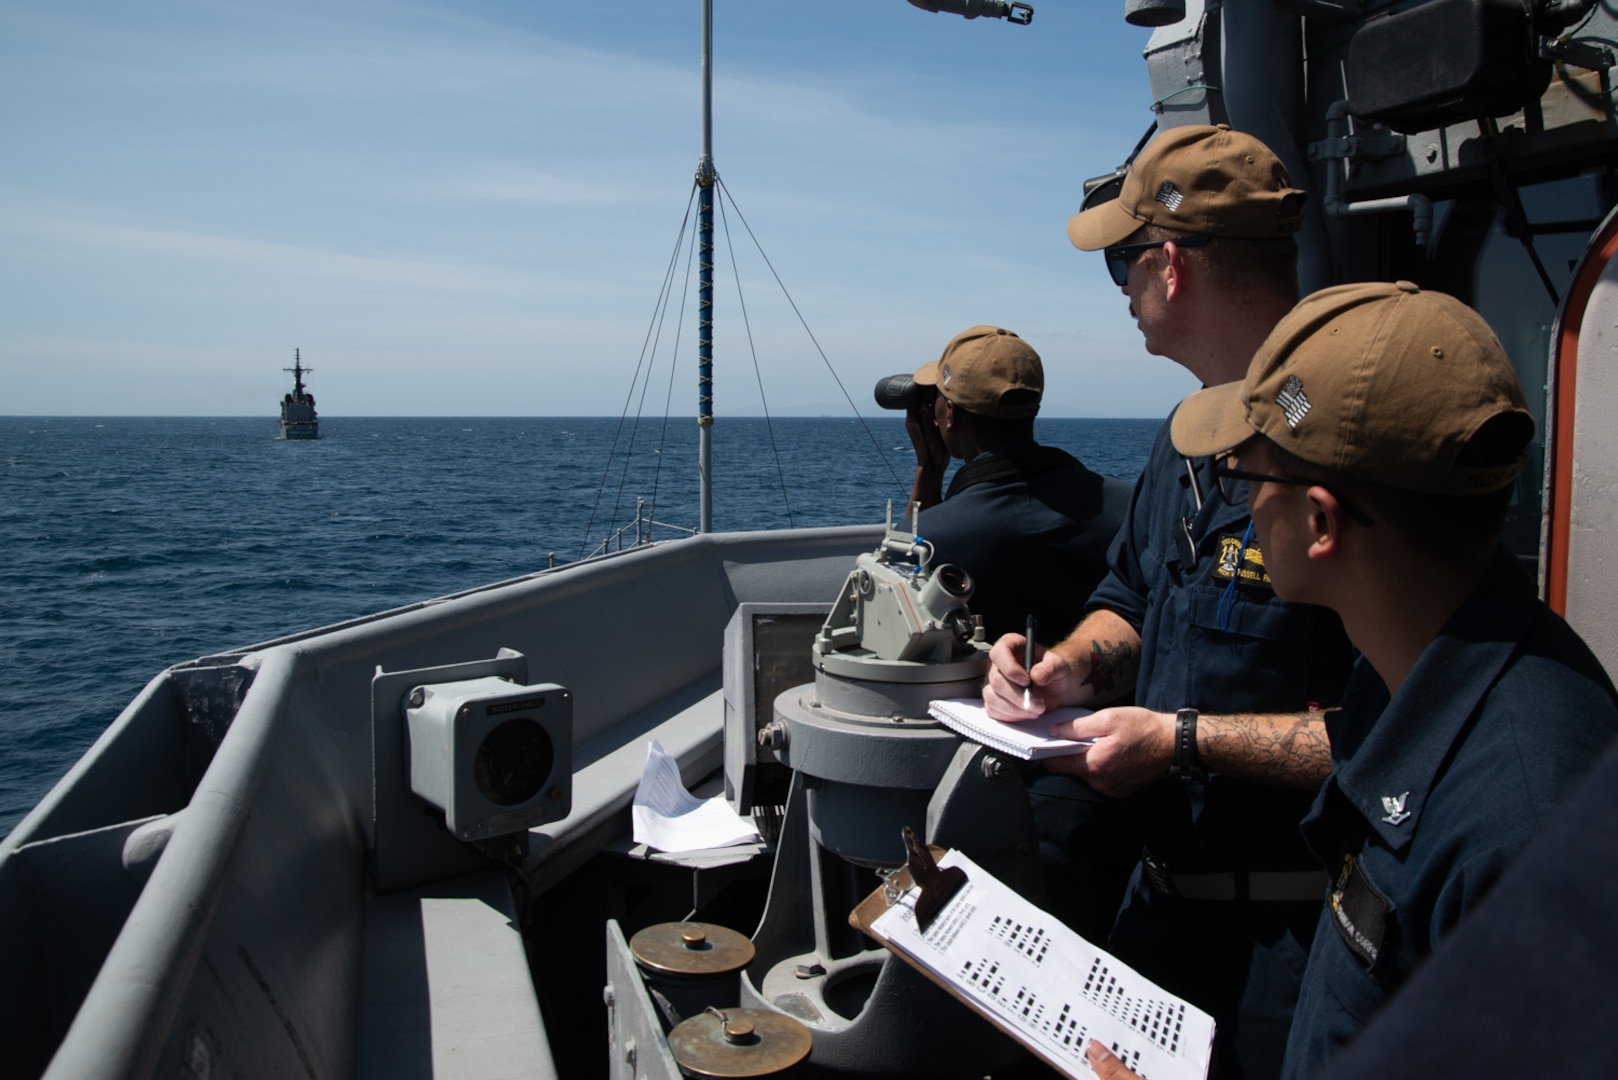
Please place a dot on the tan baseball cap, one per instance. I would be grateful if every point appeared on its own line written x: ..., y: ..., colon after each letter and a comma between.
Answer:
x: 1201, y: 179
x: 1384, y: 382
x: 988, y: 371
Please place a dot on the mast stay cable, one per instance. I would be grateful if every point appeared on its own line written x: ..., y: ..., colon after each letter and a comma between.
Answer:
x: 725, y: 190
x: 668, y: 397
x: 647, y: 363
x: 769, y: 428
x: 655, y: 325
x: 706, y: 183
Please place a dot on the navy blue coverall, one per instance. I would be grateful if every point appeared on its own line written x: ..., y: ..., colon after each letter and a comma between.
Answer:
x: 1033, y: 526
x: 1435, y: 792
x: 1215, y: 637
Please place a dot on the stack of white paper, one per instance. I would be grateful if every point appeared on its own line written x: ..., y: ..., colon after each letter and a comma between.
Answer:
x: 669, y: 818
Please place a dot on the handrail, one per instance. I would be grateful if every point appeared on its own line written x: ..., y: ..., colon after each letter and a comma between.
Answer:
x: 642, y: 524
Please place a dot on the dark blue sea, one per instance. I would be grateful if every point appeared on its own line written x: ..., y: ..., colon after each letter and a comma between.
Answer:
x: 130, y: 544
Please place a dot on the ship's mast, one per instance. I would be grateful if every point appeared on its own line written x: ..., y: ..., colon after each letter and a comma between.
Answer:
x: 706, y: 177
x: 298, y: 372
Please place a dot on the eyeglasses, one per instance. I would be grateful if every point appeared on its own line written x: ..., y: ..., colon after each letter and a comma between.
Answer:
x: 1227, y: 478
x: 1121, y: 256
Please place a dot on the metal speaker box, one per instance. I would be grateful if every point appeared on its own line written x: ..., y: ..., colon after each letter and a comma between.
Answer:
x: 496, y: 757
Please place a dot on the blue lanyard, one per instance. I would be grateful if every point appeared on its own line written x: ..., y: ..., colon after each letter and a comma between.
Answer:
x: 1227, y: 599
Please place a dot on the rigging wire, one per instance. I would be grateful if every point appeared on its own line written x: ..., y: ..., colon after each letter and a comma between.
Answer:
x: 658, y: 309
x: 868, y: 433
x: 659, y: 315
x: 769, y: 428
x: 648, y: 362
x: 640, y: 407
x: 668, y: 397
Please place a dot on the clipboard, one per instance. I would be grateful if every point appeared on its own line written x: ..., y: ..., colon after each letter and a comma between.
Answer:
x: 938, y: 888
x: 1026, y: 973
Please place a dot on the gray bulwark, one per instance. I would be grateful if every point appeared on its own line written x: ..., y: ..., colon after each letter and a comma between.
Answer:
x: 244, y: 951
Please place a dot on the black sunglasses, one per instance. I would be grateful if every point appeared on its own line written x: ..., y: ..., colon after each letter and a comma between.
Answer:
x: 1227, y: 477
x: 1121, y: 256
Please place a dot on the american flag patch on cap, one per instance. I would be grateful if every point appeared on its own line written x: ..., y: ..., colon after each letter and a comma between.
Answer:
x: 1293, y: 401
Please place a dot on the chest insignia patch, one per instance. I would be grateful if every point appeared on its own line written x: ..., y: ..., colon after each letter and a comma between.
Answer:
x: 1360, y: 913
x: 1246, y: 566
x: 1395, y: 806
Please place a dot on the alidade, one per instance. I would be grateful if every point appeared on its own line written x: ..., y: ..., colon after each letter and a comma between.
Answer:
x: 899, y: 634
x: 868, y: 762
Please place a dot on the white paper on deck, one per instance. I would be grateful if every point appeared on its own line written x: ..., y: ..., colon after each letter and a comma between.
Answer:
x: 669, y: 818
x: 1054, y: 990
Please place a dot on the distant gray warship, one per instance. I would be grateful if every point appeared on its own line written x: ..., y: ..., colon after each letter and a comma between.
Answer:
x: 298, y: 419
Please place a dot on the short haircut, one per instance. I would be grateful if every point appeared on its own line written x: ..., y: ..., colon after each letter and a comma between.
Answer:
x: 1238, y: 265
x: 1439, y: 525
x: 995, y: 431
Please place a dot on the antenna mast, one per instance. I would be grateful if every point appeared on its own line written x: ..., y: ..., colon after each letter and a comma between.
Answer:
x: 705, y: 183
x: 298, y: 372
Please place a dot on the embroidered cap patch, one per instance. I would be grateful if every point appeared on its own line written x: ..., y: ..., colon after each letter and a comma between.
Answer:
x: 1293, y: 401
x: 1170, y: 196
x: 944, y: 374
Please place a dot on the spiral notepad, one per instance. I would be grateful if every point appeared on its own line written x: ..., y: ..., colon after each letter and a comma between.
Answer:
x: 1026, y: 739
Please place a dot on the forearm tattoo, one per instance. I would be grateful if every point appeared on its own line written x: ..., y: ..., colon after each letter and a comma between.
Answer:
x: 1289, y: 749
x: 1111, y: 665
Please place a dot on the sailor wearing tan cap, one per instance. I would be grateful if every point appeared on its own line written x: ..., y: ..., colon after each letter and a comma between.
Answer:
x: 1380, y: 432
x: 1220, y: 756
x: 1032, y: 525
x: 1013, y: 503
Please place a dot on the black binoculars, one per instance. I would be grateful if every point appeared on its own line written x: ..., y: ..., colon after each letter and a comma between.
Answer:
x: 903, y: 392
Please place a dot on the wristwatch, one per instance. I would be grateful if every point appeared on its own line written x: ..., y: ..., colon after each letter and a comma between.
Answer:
x: 1186, y: 765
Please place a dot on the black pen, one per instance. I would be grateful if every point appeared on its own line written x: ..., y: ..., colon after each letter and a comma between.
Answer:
x: 1028, y: 664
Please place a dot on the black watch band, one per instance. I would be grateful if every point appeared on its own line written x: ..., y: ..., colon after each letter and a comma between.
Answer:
x: 1186, y: 764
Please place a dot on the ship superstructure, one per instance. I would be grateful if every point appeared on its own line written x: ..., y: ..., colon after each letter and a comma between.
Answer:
x: 298, y: 418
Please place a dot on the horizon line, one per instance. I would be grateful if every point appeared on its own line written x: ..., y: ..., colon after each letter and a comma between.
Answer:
x: 881, y: 414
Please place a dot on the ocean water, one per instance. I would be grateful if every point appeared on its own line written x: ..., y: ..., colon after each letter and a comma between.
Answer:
x: 130, y: 544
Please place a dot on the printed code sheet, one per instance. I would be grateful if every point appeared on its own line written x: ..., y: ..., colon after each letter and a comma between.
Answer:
x: 1049, y: 986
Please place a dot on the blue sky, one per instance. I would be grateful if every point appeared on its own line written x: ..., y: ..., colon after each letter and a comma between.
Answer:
x: 468, y: 208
